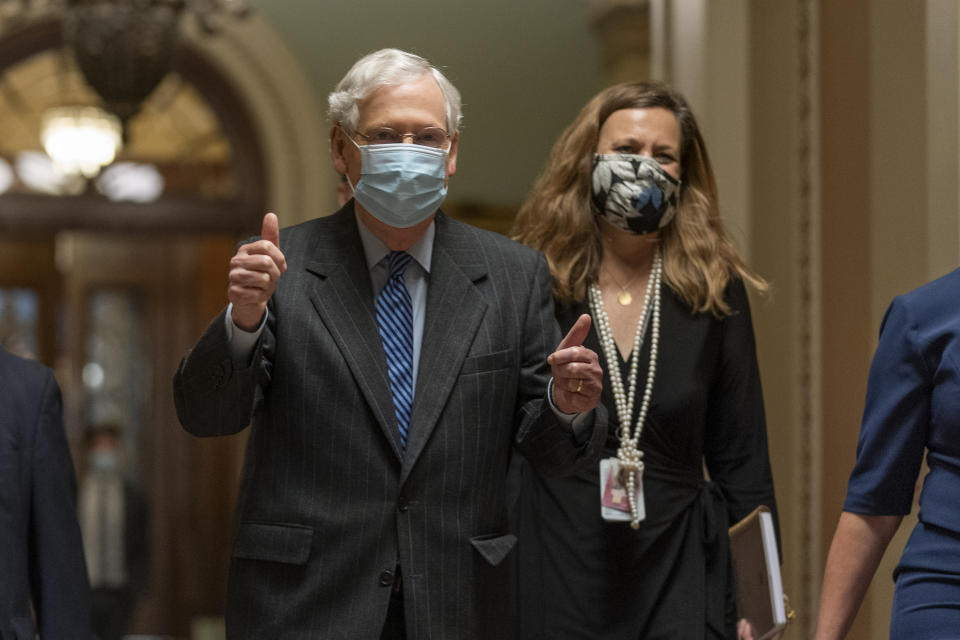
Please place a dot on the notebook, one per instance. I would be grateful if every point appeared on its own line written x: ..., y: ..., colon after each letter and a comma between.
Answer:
x: 756, y: 569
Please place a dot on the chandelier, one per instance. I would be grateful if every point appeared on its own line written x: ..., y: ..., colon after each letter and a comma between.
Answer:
x: 81, y: 140
x: 124, y: 49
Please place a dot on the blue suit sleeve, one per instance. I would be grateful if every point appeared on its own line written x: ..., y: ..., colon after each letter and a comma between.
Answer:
x: 58, y: 574
x: 895, y: 422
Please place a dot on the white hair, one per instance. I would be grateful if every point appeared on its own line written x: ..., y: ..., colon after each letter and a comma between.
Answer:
x: 387, y: 67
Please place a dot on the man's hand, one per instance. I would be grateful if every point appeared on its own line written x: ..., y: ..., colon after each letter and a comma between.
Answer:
x: 577, y: 376
x: 254, y: 272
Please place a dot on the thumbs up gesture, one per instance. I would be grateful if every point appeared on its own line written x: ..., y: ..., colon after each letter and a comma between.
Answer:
x: 254, y: 272
x: 577, y: 376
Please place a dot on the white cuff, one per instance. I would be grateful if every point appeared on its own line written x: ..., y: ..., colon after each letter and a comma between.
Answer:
x: 242, y: 342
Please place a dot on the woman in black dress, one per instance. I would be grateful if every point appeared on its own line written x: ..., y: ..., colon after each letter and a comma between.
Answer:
x: 626, y: 213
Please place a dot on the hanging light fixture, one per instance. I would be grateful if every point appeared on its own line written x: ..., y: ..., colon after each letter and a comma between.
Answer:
x: 124, y: 49
x: 6, y: 175
x: 81, y: 140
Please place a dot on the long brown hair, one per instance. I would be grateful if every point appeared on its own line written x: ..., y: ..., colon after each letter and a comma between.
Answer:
x: 556, y: 218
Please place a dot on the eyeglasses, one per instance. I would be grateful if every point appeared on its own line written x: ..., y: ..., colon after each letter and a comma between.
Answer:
x: 433, y: 137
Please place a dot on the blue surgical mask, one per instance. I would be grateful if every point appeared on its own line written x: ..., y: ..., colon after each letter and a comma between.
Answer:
x: 401, y: 184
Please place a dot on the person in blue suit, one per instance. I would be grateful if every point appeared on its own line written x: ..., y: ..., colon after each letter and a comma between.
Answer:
x: 43, y: 578
x: 912, y: 405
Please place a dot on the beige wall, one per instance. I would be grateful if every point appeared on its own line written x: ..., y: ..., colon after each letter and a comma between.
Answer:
x: 845, y: 283
x: 781, y: 194
x: 943, y: 136
x: 851, y: 173
x: 524, y: 69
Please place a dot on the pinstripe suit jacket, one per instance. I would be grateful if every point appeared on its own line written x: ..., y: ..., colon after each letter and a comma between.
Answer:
x: 330, y: 503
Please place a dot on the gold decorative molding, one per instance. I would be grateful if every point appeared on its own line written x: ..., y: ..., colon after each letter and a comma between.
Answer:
x: 810, y: 467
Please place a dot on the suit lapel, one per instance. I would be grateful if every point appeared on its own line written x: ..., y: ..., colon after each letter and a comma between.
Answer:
x: 455, y: 309
x: 343, y: 299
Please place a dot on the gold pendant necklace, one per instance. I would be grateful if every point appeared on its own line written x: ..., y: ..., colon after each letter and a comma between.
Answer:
x: 624, y: 297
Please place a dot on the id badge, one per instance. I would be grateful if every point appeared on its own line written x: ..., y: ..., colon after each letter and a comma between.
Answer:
x: 614, y: 504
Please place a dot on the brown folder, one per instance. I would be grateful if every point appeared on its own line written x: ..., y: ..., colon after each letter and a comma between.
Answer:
x: 761, y: 610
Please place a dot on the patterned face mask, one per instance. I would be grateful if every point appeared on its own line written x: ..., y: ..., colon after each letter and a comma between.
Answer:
x: 633, y: 192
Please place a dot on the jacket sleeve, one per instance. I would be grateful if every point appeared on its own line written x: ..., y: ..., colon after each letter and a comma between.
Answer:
x: 736, y: 432
x: 214, y: 395
x: 896, y: 420
x: 58, y: 573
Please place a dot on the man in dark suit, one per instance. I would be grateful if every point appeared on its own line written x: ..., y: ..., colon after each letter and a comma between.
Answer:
x: 388, y: 375
x: 43, y: 579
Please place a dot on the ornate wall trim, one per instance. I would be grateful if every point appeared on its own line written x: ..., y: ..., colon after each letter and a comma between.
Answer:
x: 810, y: 412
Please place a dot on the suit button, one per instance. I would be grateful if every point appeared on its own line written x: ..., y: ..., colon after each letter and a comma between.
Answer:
x: 403, y: 504
x: 386, y: 578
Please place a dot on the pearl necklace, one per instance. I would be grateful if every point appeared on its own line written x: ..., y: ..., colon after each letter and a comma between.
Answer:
x: 629, y: 455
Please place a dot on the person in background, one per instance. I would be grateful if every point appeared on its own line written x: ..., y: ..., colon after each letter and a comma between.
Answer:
x: 43, y: 579
x: 113, y: 518
x: 388, y: 373
x: 912, y: 407
x: 637, y: 547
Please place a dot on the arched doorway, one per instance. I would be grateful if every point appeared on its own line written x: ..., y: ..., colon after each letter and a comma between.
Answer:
x: 110, y: 292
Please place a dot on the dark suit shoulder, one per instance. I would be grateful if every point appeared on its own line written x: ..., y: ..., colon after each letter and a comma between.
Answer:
x: 935, y: 299
x: 28, y: 391
x: 27, y: 377
x: 925, y: 319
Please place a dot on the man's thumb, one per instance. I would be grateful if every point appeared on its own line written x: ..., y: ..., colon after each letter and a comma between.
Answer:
x: 271, y: 229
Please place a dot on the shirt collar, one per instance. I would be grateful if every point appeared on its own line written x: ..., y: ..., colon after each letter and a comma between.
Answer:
x: 374, y: 250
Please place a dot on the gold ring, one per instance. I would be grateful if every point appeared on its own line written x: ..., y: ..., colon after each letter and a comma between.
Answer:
x: 579, y: 385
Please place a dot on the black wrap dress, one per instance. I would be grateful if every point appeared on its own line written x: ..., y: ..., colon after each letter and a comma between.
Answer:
x: 582, y: 577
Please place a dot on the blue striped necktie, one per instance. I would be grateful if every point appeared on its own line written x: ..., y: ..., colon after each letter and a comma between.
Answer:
x: 395, y: 323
